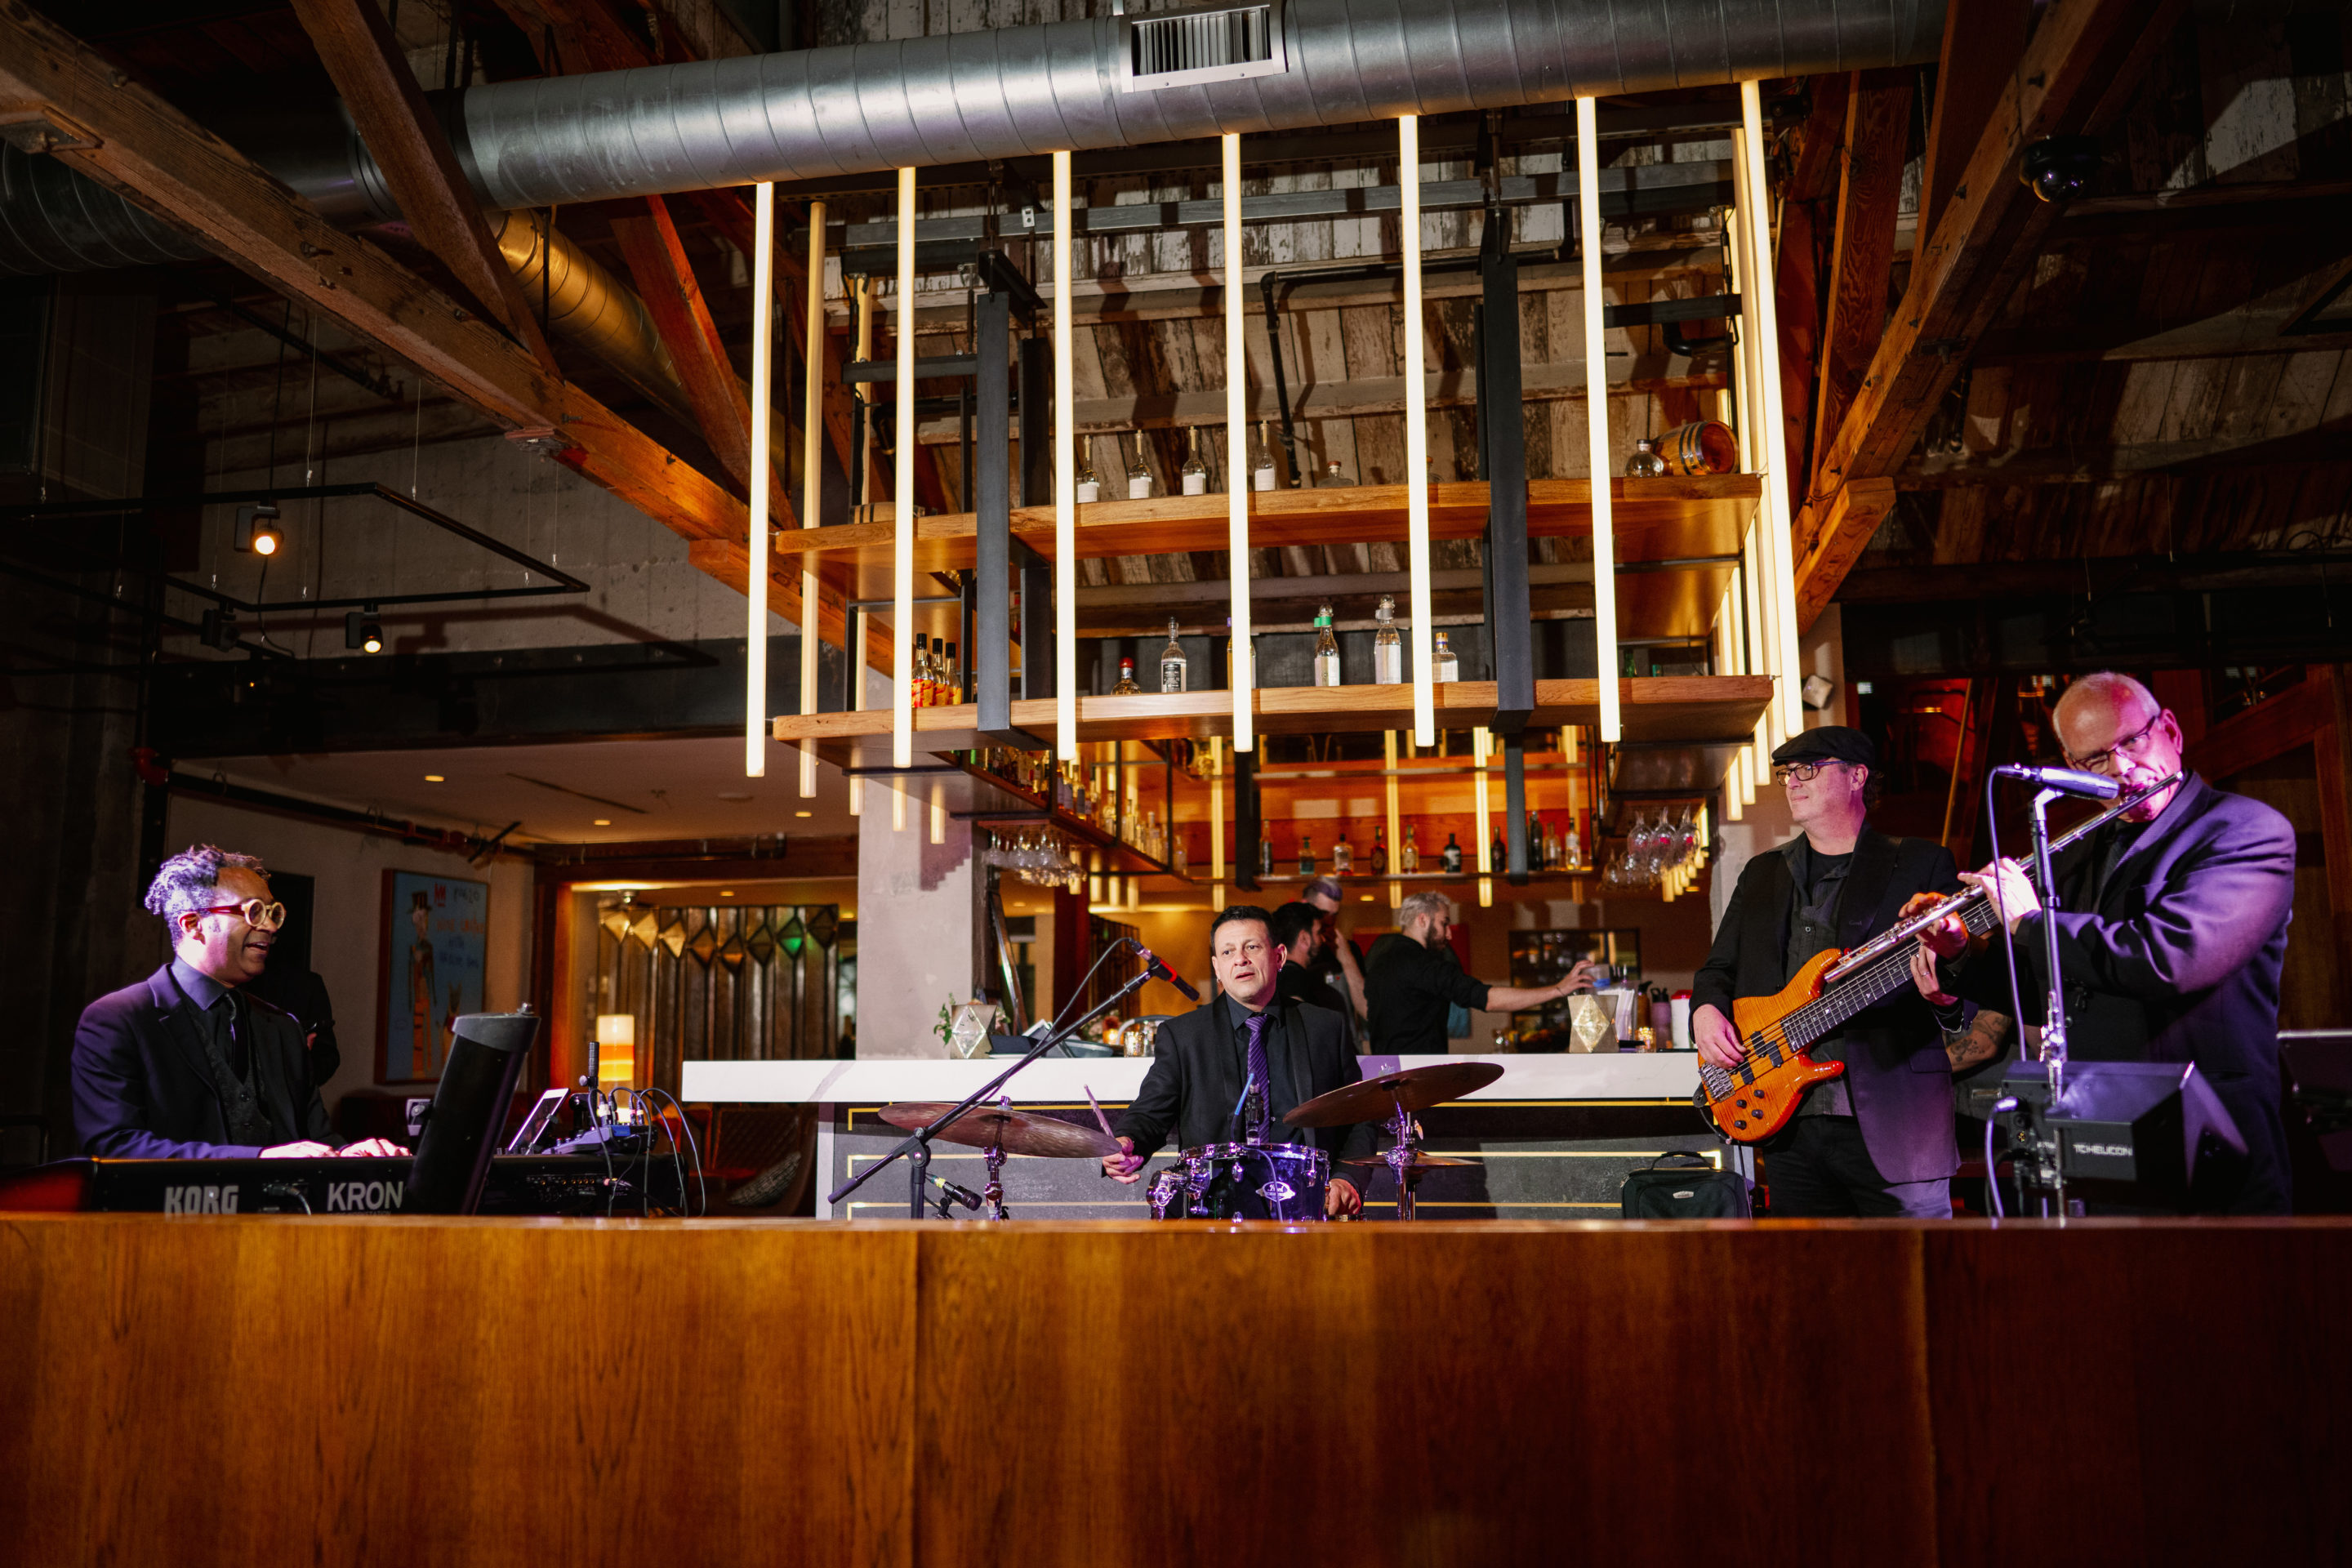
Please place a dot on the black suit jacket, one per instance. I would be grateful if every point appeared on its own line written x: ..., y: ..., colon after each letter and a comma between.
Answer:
x: 1897, y: 1073
x: 1197, y: 1071
x: 142, y: 1090
x: 2179, y: 962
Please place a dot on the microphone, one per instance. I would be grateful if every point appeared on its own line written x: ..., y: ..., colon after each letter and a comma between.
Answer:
x: 953, y: 1193
x: 1156, y: 968
x: 2066, y: 781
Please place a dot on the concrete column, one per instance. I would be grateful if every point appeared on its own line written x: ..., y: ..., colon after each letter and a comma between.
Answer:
x: 914, y: 918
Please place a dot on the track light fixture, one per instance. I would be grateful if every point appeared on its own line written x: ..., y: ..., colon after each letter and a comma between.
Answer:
x: 257, y: 529
x: 362, y: 631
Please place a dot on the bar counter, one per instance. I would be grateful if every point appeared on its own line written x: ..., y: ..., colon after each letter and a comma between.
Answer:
x: 258, y: 1391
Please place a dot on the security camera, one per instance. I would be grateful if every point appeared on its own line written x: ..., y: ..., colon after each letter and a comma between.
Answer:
x: 2060, y: 168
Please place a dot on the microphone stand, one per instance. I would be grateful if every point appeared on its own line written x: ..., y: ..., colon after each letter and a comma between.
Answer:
x: 2049, y: 1173
x: 917, y: 1145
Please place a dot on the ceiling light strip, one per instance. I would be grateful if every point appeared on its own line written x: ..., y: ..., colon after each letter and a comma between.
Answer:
x: 812, y: 481
x: 1065, y: 484
x: 902, y: 495
x: 757, y: 553
x: 1237, y: 490
x: 1596, y: 413
x: 1416, y: 434
x: 1773, y: 426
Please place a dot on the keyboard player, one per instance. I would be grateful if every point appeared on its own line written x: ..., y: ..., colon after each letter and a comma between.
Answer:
x: 183, y: 1064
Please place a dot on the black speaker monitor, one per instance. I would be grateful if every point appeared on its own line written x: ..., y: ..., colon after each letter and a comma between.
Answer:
x: 468, y: 1111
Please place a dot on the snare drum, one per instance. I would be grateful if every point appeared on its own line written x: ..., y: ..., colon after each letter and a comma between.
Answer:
x: 1244, y: 1181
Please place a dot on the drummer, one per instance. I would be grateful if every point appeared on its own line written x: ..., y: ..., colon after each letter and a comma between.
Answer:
x: 1286, y: 1048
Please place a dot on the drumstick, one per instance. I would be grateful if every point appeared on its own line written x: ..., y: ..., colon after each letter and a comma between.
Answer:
x: 1099, y: 1117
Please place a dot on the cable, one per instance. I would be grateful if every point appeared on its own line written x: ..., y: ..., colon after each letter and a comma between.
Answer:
x: 693, y: 1149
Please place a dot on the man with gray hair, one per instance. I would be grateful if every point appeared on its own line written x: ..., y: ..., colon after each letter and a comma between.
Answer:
x: 2171, y: 926
x: 183, y: 1064
x: 1409, y: 983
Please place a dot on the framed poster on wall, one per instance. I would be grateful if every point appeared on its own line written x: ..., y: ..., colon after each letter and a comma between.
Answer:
x: 436, y: 935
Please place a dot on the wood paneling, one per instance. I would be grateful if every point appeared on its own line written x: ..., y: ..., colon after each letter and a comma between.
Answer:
x: 256, y: 1391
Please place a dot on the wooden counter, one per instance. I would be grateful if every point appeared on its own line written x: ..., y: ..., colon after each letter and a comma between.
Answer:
x: 412, y: 1391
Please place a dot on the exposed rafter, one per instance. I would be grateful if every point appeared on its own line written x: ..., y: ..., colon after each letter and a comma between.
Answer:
x: 2076, y: 76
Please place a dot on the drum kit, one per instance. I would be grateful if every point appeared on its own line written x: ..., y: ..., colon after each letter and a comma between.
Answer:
x: 1284, y: 1181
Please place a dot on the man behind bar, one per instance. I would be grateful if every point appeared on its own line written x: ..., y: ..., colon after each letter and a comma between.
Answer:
x: 183, y: 1064
x: 1876, y: 1141
x: 2171, y: 932
x: 1410, y: 985
x: 1247, y: 1033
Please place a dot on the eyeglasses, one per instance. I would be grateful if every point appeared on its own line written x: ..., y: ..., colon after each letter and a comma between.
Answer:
x: 1803, y: 772
x: 2130, y: 745
x: 258, y: 915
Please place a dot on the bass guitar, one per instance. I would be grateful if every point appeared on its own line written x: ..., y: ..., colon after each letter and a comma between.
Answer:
x: 1755, y: 1098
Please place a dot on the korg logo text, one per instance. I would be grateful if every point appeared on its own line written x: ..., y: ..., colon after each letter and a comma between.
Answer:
x: 200, y: 1200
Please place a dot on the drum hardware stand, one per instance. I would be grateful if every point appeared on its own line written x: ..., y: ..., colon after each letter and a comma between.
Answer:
x: 1399, y: 1158
x: 992, y: 1195
x: 915, y: 1147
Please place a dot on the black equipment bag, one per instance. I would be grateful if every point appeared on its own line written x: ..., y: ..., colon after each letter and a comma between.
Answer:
x: 1684, y: 1185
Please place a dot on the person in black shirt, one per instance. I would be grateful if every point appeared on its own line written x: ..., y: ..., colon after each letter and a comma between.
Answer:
x: 1248, y: 1035
x: 1298, y: 931
x: 1876, y: 1141
x: 1409, y: 985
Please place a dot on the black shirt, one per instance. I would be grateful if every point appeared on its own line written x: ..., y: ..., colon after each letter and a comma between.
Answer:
x: 1408, y: 989
x: 1815, y: 882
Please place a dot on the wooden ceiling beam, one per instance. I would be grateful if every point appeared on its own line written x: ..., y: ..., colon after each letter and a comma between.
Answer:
x: 2326, y: 443
x: 1862, y: 254
x: 2019, y: 580
x: 1982, y: 38
x: 369, y: 69
x: 2076, y: 76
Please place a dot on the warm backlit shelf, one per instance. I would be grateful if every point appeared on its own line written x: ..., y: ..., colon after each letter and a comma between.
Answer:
x: 1699, y: 709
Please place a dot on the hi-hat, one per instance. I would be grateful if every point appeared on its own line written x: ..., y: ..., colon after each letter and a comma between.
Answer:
x: 1377, y: 1099
x: 1014, y: 1132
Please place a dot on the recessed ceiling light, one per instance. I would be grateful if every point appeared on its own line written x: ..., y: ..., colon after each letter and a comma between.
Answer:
x: 434, y: 778
x: 1365, y: 897
x: 726, y: 892
x: 802, y: 814
x: 603, y: 822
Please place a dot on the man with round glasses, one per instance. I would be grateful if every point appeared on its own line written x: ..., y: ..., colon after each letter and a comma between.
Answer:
x: 2171, y: 932
x: 185, y: 1065
x: 1876, y: 1141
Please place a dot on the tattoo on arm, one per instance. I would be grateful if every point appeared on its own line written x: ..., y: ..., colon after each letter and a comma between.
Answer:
x: 1984, y: 1039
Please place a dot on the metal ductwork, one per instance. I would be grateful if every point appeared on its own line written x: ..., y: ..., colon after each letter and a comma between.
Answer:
x: 1125, y: 81
x: 55, y: 219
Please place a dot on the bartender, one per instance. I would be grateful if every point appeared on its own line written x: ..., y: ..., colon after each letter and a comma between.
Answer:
x: 183, y: 1064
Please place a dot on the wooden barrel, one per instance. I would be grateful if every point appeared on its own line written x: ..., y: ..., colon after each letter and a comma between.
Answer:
x: 1702, y: 447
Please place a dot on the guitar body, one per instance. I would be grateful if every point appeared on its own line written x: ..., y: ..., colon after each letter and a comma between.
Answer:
x: 1756, y: 1101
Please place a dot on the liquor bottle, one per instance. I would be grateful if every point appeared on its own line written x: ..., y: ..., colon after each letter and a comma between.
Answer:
x: 1180, y: 855
x: 1262, y: 470
x: 1379, y: 851
x: 1196, y: 473
x: 1556, y: 848
x: 1088, y: 485
x: 1139, y: 477
x: 1499, y: 852
x: 1306, y: 856
x: 940, y: 675
x: 1127, y: 686
x: 1388, y: 646
x: 1327, y: 651
x: 1443, y: 666
x: 1343, y: 856
x: 923, y: 676
x: 1645, y: 463
x: 1266, y: 857
x: 954, y: 675
x: 1453, y: 856
x: 1332, y: 477
x: 1408, y: 855
x: 1174, y: 666
x: 1536, y: 861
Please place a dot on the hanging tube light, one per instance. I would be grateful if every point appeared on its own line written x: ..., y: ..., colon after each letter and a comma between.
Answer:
x: 1416, y: 436
x: 758, y: 553
x: 1237, y: 487
x: 1774, y: 446
x: 1065, y: 484
x: 1596, y: 416
x: 812, y: 484
x: 902, y: 497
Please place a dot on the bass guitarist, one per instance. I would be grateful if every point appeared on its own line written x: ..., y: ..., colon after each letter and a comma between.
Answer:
x: 1876, y: 1141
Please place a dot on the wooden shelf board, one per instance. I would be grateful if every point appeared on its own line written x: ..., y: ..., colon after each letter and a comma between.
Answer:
x: 1690, y: 707
x: 1653, y: 520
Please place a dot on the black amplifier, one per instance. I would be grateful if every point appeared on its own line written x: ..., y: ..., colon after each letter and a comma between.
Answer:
x: 560, y: 1185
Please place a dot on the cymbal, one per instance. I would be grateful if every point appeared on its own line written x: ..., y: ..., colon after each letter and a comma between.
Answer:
x: 1375, y: 1099
x: 1422, y: 1161
x: 1014, y: 1132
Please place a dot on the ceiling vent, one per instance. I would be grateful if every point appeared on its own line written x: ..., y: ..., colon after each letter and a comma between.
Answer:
x: 1193, y: 48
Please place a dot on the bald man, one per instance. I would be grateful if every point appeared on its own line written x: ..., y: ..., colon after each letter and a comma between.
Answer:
x: 2171, y: 932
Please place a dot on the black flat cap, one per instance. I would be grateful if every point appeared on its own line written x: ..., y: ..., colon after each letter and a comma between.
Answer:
x: 1828, y: 744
